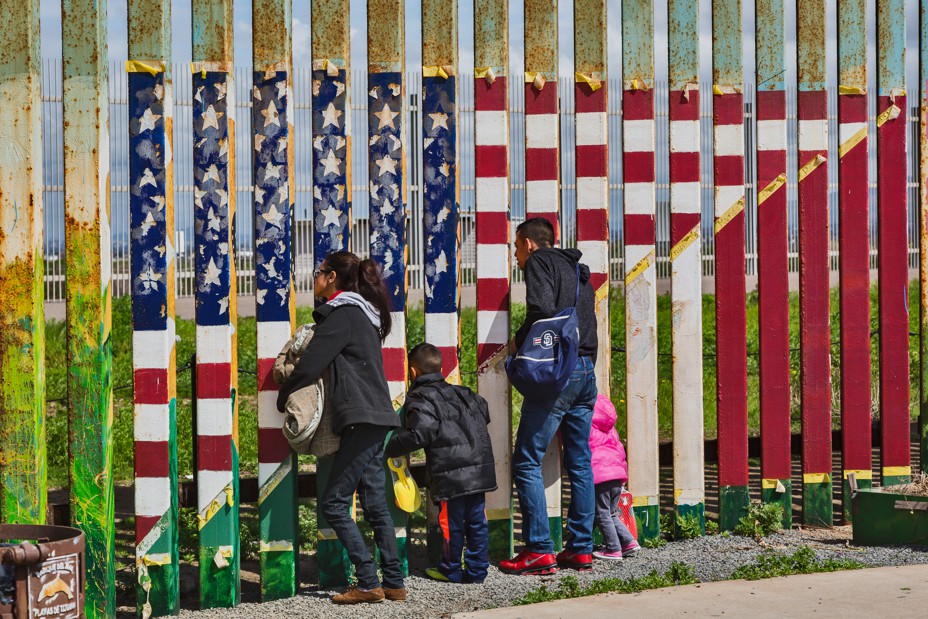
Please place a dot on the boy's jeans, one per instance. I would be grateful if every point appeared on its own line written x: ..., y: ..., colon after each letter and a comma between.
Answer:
x: 464, y: 526
x: 572, y: 412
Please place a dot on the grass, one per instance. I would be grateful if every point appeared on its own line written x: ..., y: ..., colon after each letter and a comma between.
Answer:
x: 770, y: 564
x: 761, y: 520
x: 56, y: 375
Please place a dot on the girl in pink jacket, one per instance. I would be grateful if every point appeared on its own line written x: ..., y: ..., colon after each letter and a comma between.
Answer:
x: 610, y: 473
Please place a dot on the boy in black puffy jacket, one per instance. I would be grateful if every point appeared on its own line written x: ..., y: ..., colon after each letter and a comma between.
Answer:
x: 450, y: 423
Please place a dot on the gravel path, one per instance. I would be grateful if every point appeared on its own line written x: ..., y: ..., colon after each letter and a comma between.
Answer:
x: 713, y: 558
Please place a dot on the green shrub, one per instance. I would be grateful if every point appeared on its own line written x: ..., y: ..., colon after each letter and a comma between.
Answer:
x: 569, y: 587
x: 771, y: 563
x: 712, y: 527
x: 688, y: 527
x: 761, y: 520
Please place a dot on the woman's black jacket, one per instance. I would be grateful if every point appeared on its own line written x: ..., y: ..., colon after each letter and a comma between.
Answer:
x: 348, y: 343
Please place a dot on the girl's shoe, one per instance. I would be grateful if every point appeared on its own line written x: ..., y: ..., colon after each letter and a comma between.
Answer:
x: 608, y: 556
x: 631, y: 550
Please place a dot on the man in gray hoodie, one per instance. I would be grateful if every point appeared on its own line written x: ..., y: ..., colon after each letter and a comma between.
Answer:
x: 550, y: 286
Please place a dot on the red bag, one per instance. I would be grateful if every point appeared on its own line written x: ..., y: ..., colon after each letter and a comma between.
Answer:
x: 628, y: 513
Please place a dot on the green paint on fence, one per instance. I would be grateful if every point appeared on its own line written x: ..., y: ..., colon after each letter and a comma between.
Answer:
x: 556, y: 526
x: 784, y: 498
x: 733, y: 504
x: 280, y: 529
x: 648, y: 518
x: 220, y: 549
x: 896, y: 480
x: 278, y: 574
x: 501, y: 542
x: 685, y: 512
x: 862, y: 484
x: 334, y: 566
x: 817, y: 496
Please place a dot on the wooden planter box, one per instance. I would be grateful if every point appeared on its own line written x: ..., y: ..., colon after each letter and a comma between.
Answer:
x: 883, y: 518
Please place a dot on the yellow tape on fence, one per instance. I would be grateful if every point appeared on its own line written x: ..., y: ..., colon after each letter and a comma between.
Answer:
x: 684, y: 243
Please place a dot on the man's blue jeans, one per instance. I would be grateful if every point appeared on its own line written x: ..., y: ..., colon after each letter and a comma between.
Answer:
x: 572, y: 413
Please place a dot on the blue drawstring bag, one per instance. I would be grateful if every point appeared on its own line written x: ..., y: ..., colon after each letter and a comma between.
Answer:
x: 542, y: 366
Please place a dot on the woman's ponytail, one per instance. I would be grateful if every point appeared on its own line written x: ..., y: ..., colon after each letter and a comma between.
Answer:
x: 373, y: 289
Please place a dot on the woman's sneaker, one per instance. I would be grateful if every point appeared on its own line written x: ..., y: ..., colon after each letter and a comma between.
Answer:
x: 579, y: 561
x: 535, y: 563
x: 608, y: 556
x: 631, y: 550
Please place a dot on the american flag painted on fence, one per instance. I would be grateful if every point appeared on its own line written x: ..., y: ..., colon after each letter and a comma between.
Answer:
x: 151, y: 213
x: 217, y: 358
x: 272, y: 171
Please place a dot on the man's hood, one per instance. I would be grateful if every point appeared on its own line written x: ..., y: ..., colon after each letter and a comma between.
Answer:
x: 572, y: 256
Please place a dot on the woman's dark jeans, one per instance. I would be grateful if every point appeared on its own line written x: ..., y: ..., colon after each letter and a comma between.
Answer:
x: 358, y: 465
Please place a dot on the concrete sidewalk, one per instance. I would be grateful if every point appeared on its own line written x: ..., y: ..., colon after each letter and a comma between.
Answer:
x: 877, y: 592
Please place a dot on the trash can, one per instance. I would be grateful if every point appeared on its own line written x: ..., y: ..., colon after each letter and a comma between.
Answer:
x: 42, y: 572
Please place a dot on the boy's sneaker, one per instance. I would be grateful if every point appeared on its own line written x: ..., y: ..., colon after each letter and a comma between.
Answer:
x: 631, y: 550
x: 575, y: 560
x: 527, y: 562
x: 608, y: 556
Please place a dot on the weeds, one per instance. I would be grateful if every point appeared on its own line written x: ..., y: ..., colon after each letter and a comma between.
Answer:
x: 712, y: 527
x: 771, y: 563
x: 688, y: 527
x: 761, y: 520
x: 569, y: 587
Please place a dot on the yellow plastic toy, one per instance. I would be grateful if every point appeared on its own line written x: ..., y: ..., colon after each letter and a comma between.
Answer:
x: 408, y: 497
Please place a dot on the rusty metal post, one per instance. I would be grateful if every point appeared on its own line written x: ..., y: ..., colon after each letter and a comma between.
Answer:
x: 542, y: 177
x: 331, y: 203
x: 491, y: 128
x: 22, y: 315
x: 686, y: 262
x: 640, y: 264
x: 923, y: 238
x: 151, y: 220
x: 730, y: 313
x: 89, y: 297
x: 854, y: 247
x: 217, y: 355
x: 386, y: 115
x: 893, y: 242
x: 275, y: 301
x: 441, y: 198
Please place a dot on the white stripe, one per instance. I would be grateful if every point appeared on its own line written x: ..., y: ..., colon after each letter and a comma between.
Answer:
x: 541, y: 131
x: 492, y: 194
x: 152, y: 423
x: 638, y: 136
x: 592, y: 192
x: 595, y: 255
x: 396, y: 388
x: 490, y: 128
x: 265, y: 470
x: 442, y: 329
x: 847, y: 130
x: 771, y: 135
x: 541, y: 197
x: 210, y: 484
x: 492, y: 261
x: 214, y: 417
x: 813, y: 135
x: 397, y: 335
x: 492, y: 327
x: 152, y: 349
x: 271, y: 338
x: 591, y: 128
x: 684, y: 136
x: 635, y: 254
x: 268, y: 415
x: 726, y: 196
x: 684, y: 198
x: 214, y: 344
x: 729, y: 140
x: 152, y: 496
x: 640, y: 199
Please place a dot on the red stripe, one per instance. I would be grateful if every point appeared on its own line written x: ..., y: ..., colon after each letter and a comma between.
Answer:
x: 552, y: 218
x: 683, y: 108
x: 771, y: 105
x: 813, y: 104
x: 214, y: 380
x: 492, y: 161
x: 266, y: 375
x: 143, y: 526
x: 729, y: 170
x: 542, y: 101
x: 491, y: 97
x: 773, y: 331
x: 638, y: 167
x: 541, y: 164
x: 492, y: 294
x: 727, y: 109
x: 592, y: 224
x: 680, y: 225
x: 592, y: 160
x: 394, y: 363
x: 486, y: 351
x: 639, y: 230
x: 731, y: 338
x: 587, y: 101
x: 152, y: 459
x: 449, y: 359
x: 273, y: 447
x: 598, y: 280
x: 854, y: 256
x: 638, y: 104
x: 770, y: 164
x: 151, y: 386
x: 893, y: 287
x: 214, y: 453
x: 684, y: 167
x: 492, y: 228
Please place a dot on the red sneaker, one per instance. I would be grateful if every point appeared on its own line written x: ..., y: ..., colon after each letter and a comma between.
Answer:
x: 526, y: 562
x: 575, y: 560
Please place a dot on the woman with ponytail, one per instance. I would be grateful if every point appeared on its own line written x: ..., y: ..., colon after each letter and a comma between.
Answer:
x: 352, y: 323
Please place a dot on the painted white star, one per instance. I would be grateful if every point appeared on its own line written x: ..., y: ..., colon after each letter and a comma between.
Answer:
x: 339, y: 88
x: 199, y: 95
x: 427, y: 142
x: 256, y: 93
x: 212, y: 274
x: 317, y: 193
x: 331, y: 163
x: 147, y: 179
x: 387, y: 207
x: 442, y: 215
x: 259, y: 140
x: 373, y: 93
x: 260, y: 296
x: 272, y: 171
x: 445, y: 169
x: 386, y: 116
x: 374, y: 189
x: 223, y: 147
x: 212, y: 173
x: 224, y: 249
x: 331, y: 215
x: 223, y: 197
x: 386, y: 165
x: 271, y: 269
x: 259, y: 195
x: 395, y: 190
x: 282, y: 144
x: 439, y: 119
x: 316, y: 85
x: 339, y: 192
x: 211, y: 118
x: 212, y: 222
x: 396, y: 88
x: 148, y: 224
x: 281, y: 89
x: 339, y: 142
x: 198, y: 197
x: 148, y: 120
x: 441, y: 263
x: 271, y: 117
x: 223, y: 305
x: 150, y: 279
x: 273, y: 216
x: 282, y: 293
x: 317, y: 142
x: 159, y: 202
x: 159, y: 91
x: 397, y: 143
x: 221, y: 89
x: 283, y: 193
x: 330, y: 116
x: 374, y: 139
